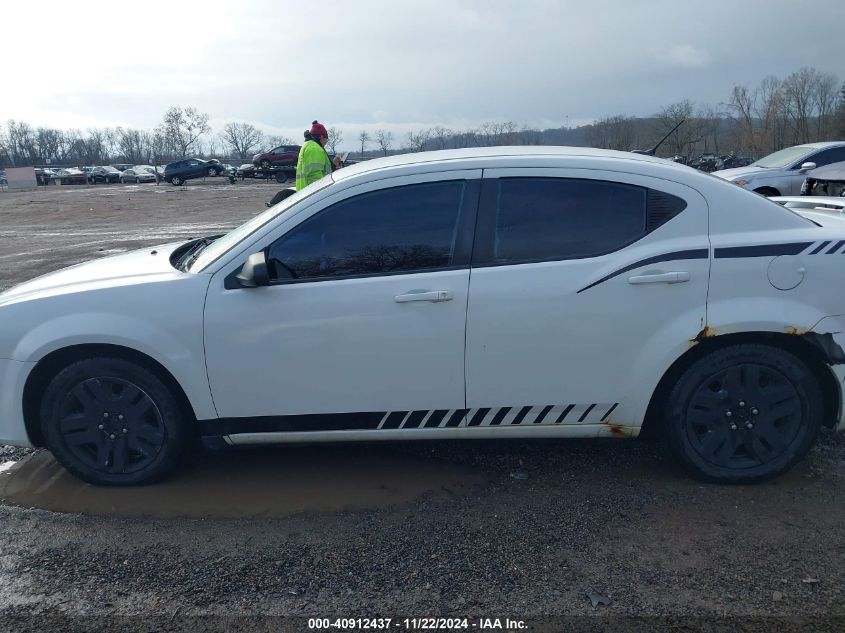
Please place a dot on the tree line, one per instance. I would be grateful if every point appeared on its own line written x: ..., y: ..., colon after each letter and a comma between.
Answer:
x: 806, y: 106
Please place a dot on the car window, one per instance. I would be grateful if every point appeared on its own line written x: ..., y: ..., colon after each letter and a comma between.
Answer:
x: 278, y: 150
x: 395, y: 230
x: 827, y: 156
x: 193, y: 163
x: 542, y: 219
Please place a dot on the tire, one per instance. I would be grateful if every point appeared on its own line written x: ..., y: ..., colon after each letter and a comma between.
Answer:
x: 212, y: 171
x: 112, y: 422
x: 767, y: 191
x: 176, y: 180
x: 265, y: 164
x: 281, y: 177
x: 743, y: 414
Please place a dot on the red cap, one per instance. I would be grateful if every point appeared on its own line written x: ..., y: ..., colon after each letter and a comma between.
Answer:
x: 318, y: 130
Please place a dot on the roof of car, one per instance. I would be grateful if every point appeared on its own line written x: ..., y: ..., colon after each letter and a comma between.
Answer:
x: 824, y: 144
x: 445, y: 156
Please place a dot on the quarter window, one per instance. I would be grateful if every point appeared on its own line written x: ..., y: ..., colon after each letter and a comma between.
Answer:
x: 542, y: 219
x: 395, y: 230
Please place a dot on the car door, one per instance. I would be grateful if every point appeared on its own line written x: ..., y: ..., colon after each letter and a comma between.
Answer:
x: 363, y: 324
x: 585, y: 286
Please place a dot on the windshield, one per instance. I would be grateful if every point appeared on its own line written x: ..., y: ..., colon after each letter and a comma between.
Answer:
x: 784, y: 157
x: 220, y: 246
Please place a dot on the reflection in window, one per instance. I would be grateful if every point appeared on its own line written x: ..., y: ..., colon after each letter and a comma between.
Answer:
x: 391, y: 230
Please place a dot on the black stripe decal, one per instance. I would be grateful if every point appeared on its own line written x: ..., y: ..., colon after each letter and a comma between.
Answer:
x: 521, y: 415
x: 414, y: 419
x: 435, y: 418
x: 293, y: 423
x: 497, y: 419
x: 561, y: 417
x: 698, y: 253
x: 457, y: 417
x: 394, y: 420
x: 762, y: 250
x: 820, y: 248
x: 478, y: 417
x: 543, y: 414
x: 836, y: 248
x: 609, y: 411
x: 586, y: 413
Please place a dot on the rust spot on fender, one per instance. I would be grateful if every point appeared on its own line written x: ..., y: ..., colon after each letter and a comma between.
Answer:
x: 795, y: 331
x: 706, y: 332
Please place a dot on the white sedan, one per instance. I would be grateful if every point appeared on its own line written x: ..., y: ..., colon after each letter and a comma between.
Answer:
x: 484, y: 293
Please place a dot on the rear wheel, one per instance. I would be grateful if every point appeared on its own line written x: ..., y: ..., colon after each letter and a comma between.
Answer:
x: 112, y: 422
x: 176, y: 180
x: 743, y: 414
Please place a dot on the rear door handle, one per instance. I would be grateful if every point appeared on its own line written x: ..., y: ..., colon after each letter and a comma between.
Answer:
x: 675, y: 277
x: 434, y: 296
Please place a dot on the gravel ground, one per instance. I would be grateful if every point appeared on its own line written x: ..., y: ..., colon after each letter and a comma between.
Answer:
x: 542, y: 526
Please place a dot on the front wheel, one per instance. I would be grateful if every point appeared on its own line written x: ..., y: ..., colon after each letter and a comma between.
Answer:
x: 744, y: 414
x: 176, y: 180
x: 265, y: 164
x: 113, y: 422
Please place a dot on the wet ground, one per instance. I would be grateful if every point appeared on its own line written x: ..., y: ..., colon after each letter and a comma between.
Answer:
x: 253, y: 539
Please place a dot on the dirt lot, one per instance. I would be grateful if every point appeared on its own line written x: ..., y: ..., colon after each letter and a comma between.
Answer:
x: 523, y: 530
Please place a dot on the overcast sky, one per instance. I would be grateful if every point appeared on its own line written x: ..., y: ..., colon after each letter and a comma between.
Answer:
x: 399, y: 65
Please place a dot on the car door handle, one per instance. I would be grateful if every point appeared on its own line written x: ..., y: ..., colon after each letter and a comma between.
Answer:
x: 435, y: 296
x: 675, y: 277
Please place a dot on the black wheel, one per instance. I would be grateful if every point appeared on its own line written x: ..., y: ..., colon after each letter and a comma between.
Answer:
x: 176, y: 180
x: 265, y: 164
x: 744, y: 414
x: 112, y: 422
x: 281, y: 177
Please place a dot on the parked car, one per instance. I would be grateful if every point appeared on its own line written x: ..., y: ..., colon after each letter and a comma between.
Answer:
x: 42, y: 176
x: 783, y: 173
x: 104, y: 173
x: 825, y: 181
x: 282, y: 155
x: 122, y: 166
x: 247, y: 170
x: 732, y: 161
x: 70, y: 176
x: 137, y: 174
x: 180, y: 171
x: 705, y: 162
x: 479, y: 293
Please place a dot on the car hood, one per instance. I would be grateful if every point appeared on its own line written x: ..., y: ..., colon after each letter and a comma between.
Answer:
x: 742, y: 172
x: 142, y: 266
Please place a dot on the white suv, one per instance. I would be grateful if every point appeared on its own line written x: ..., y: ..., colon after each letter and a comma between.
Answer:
x: 783, y: 173
x: 484, y: 293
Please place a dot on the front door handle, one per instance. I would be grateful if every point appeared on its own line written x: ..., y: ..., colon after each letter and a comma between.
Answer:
x: 434, y: 296
x: 675, y: 277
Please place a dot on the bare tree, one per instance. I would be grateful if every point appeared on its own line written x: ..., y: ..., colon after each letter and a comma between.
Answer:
x: 276, y: 141
x: 363, y: 138
x: 183, y: 127
x: 684, y: 139
x: 440, y: 136
x: 335, y: 139
x: 242, y: 138
x: 384, y: 139
x: 418, y: 140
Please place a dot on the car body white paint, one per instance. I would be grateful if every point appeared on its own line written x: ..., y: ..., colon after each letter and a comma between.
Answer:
x: 346, y: 345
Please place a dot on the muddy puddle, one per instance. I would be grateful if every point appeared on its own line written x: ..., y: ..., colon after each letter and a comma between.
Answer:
x: 262, y: 482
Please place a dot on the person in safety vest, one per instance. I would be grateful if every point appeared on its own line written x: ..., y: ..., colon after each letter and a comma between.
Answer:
x: 313, y: 162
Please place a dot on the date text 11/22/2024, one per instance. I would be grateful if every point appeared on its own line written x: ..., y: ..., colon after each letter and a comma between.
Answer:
x: 417, y: 624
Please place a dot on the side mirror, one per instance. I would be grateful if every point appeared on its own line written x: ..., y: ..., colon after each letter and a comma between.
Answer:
x: 254, y: 271
x: 806, y: 167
